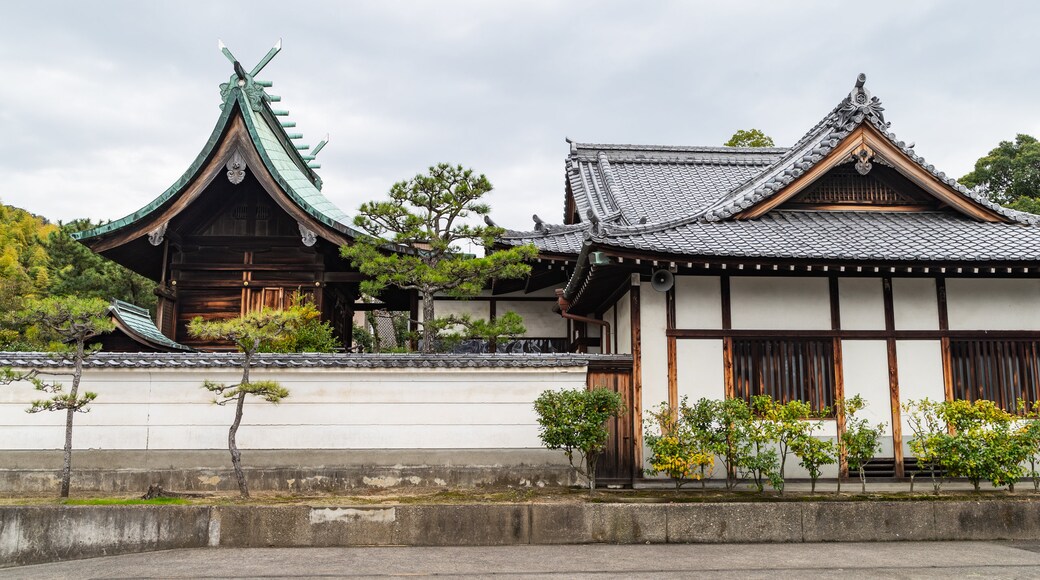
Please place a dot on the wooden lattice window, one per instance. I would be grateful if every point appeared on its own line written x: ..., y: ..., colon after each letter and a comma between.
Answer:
x: 785, y: 369
x: 1001, y: 371
x: 845, y: 186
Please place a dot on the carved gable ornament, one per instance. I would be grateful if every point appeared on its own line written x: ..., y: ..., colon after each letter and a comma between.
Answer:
x: 236, y: 168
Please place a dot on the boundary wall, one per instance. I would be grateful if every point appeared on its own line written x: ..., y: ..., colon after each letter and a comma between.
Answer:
x: 350, y: 421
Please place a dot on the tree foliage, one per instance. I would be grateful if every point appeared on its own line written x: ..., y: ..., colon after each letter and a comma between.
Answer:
x: 76, y: 270
x: 749, y: 138
x: 414, y: 241
x: 1010, y: 174
x: 263, y: 331
x: 66, y: 324
x: 39, y: 259
x: 24, y: 260
x: 860, y: 441
x: 574, y: 421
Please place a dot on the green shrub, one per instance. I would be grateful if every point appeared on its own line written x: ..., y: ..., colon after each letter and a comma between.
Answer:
x: 860, y: 441
x: 575, y: 420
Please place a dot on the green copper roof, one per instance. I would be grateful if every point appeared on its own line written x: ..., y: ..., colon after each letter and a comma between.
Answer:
x: 137, y: 321
x: 293, y: 172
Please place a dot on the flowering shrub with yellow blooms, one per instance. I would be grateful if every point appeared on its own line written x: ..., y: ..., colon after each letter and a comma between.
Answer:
x: 676, y: 451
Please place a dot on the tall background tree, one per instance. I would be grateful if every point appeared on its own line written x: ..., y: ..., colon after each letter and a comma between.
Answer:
x: 429, y: 217
x: 1010, y: 174
x: 749, y: 138
x: 39, y: 259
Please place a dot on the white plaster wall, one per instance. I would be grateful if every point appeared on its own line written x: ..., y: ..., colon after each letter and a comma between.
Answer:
x: 865, y: 370
x: 653, y: 320
x: 920, y: 376
x: 698, y: 302
x: 769, y: 303
x: 699, y: 369
x: 326, y: 409
x: 915, y: 304
x: 993, y: 304
x: 475, y: 308
x: 862, y: 303
x: 609, y: 317
x: 539, y: 318
x: 623, y: 330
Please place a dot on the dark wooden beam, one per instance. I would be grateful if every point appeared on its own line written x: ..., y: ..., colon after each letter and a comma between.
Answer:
x: 944, y: 326
x: 727, y: 338
x: 839, y: 371
x: 637, y: 378
x: 690, y: 333
x: 893, y: 376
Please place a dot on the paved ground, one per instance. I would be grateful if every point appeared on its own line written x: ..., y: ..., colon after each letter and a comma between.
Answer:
x: 944, y: 560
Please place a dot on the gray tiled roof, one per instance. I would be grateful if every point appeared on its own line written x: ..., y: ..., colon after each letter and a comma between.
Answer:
x: 628, y: 184
x: 689, y: 197
x: 556, y: 239
x: 307, y: 360
x: 842, y: 236
x: 632, y: 184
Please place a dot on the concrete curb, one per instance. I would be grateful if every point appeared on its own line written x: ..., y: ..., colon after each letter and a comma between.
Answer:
x: 37, y: 534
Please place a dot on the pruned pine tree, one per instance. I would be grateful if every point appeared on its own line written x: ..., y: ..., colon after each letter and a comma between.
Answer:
x: 264, y: 331
x: 415, y: 242
x: 66, y: 325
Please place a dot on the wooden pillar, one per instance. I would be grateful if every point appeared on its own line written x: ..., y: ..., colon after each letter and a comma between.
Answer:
x: 839, y: 371
x: 673, y: 371
x: 893, y: 376
x: 944, y: 328
x: 637, y: 378
x: 727, y: 342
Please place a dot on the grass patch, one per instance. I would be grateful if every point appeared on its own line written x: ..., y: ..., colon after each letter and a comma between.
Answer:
x: 127, y: 501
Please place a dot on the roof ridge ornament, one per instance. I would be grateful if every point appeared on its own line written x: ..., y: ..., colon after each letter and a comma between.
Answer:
x: 858, y: 106
x: 245, y: 81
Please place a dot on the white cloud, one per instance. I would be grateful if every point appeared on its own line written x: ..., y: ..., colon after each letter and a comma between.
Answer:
x: 106, y: 103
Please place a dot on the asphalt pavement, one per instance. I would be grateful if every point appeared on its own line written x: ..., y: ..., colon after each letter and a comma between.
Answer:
x: 774, y: 561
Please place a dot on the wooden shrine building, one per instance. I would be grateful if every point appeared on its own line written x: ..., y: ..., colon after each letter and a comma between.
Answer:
x: 245, y: 227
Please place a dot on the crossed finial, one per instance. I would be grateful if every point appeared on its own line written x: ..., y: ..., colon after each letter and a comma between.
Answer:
x: 239, y: 71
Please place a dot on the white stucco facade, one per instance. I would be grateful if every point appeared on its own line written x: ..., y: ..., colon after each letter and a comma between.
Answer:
x: 155, y: 409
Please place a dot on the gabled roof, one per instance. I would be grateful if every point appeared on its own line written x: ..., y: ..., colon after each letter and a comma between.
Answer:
x: 858, y: 109
x: 246, y: 108
x: 137, y: 324
x: 678, y: 204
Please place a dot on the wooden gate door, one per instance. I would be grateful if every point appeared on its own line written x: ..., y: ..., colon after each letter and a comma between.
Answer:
x: 617, y: 465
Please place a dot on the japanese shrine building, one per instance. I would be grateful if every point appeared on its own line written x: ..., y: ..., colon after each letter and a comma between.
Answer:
x: 246, y: 226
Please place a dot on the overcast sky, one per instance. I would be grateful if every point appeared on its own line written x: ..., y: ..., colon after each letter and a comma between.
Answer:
x: 104, y: 104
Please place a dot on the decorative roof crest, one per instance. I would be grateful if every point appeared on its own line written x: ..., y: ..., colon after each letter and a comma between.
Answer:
x: 859, y: 105
x: 251, y: 88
